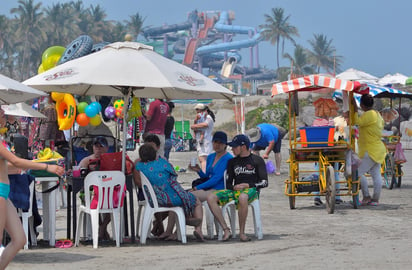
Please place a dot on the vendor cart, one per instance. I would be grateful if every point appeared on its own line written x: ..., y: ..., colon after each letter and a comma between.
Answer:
x: 317, y: 162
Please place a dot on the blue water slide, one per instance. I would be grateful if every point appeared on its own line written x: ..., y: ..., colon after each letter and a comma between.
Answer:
x: 229, y: 45
x: 222, y: 26
x: 155, y: 31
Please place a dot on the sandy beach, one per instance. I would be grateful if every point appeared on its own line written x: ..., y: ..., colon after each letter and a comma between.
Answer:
x: 307, y: 237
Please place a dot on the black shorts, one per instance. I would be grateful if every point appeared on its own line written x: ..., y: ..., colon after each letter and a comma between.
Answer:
x: 276, y: 148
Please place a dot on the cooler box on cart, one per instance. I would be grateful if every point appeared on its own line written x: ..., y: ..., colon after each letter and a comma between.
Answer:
x: 317, y: 134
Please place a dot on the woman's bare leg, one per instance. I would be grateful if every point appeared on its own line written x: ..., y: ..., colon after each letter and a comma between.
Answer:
x: 198, y: 213
x: 212, y: 201
x: 15, y: 229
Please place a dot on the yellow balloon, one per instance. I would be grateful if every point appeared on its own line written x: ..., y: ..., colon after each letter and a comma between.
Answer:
x: 95, y: 120
x: 56, y: 96
x: 40, y: 69
x: 53, y: 50
x: 51, y: 61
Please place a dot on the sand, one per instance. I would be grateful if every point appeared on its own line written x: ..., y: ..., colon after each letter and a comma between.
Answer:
x: 307, y: 237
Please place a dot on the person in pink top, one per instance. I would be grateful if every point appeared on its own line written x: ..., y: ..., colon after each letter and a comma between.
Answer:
x: 156, y: 118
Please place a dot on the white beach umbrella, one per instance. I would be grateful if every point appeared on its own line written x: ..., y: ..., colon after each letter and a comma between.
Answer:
x: 122, y: 68
x: 21, y: 109
x: 396, y: 78
x: 12, y: 91
x: 352, y: 74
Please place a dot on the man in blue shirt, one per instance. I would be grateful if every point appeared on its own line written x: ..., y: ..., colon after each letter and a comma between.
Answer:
x: 267, y: 137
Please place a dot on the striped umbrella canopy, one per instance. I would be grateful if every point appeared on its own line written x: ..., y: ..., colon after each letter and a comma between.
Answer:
x: 378, y: 92
x: 317, y: 83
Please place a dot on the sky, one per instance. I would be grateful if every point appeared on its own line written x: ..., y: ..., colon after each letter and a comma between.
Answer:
x: 371, y: 35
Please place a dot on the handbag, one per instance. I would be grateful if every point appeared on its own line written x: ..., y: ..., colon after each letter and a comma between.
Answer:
x: 199, y: 181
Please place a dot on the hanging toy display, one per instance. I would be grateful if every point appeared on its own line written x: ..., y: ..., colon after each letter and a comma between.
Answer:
x: 66, y: 110
x: 110, y: 112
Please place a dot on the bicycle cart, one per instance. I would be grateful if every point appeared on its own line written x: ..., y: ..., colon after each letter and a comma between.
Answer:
x: 317, y: 162
x: 391, y: 169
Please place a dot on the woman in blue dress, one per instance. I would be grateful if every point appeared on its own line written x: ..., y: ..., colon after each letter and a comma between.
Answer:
x: 169, y: 192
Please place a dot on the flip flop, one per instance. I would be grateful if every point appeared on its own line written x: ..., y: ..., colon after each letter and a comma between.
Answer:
x: 198, y: 236
x: 67, y: 244
x: 58, y: 244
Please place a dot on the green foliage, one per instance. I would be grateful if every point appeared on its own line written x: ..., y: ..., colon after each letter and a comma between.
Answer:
x: 255, y: 116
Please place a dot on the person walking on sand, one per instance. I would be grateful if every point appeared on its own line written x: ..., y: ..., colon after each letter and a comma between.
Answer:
x: 246, y: 175
x: 267, y: 137
x: 9, y: 220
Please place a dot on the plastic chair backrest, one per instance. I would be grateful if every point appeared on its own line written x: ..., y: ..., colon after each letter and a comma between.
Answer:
x: 105, y: 181
x: 148, y: 191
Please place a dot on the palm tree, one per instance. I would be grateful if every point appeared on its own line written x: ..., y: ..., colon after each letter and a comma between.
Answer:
x: 300, y: 64
x: 134, y: 25
x: 323, y: 54
x: 277, y: 27
x: 30, y: 30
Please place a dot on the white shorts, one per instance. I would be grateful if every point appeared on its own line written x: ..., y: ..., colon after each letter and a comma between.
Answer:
x: 204, y: 149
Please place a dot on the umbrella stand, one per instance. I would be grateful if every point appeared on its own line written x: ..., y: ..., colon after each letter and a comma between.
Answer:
x: 126, y: 101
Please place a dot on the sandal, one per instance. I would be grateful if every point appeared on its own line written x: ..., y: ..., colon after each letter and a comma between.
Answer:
x: 228, y: 236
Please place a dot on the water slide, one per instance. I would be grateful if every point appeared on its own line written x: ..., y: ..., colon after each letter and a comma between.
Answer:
x: 192, y: 45
x: 221, y: 26
x: 157, y: 31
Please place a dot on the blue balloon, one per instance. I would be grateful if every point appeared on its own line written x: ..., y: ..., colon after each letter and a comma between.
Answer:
x: 98, y: 106
x: 91, y: 110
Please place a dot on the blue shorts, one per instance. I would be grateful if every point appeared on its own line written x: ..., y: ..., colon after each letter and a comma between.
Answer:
x: 4, y: 190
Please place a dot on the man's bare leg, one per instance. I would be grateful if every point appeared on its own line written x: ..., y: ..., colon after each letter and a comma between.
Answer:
x: 242, y: 212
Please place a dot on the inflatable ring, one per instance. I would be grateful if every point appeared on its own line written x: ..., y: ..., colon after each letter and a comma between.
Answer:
x: 97, y: 47
x: 66, y: 112
x: 79, y: 47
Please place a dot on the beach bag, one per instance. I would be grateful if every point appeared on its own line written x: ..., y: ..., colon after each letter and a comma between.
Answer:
x: 399, y: 155
x: 270, y: 167
x: 199, y: 181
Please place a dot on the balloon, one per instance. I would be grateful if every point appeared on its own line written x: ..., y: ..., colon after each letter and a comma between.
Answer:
x: 91, y: 111
x: 177, y: 168
x: 97, y: 105
x: 110, y: 112
x: 81, y: 107
x: 82, y: 119
x: 40, y: 69
x: 118, y: 104
x: 53, y: 50
x: 119, y: 113
x: 56, y: 96
x: 50, y: 62
x: 96, y: 120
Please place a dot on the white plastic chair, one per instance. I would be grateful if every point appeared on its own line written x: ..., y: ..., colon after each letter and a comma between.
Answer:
x: 141, y: 205
x: 152, y: 207
x: 105, y: 181
x: 231, y: 207
x: 27, y: 220
x: 211, y: 221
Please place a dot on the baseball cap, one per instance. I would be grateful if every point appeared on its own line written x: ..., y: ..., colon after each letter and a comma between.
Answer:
x: 100, y: 140
x: 239, y: 140
x: 220, y: 136
x: 200, y: 106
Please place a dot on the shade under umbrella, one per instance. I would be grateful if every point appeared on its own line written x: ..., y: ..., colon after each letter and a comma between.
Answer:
x: 12, y: 91
x: 21, y: 109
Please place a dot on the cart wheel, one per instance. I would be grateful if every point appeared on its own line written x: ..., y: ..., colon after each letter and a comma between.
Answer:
x: 389, y: 173
x: 292, y: 199
x: 330, y: 189
x: 400, y: 175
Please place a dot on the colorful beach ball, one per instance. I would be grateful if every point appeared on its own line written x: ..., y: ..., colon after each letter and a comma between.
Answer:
x: 110, y: 112
x: 118, y: 104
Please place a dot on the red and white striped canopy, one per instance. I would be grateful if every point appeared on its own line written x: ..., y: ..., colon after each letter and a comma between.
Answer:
x: 317, y: 82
